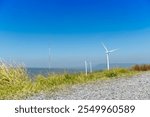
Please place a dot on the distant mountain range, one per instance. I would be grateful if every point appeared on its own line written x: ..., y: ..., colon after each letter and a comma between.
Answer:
x: 124, y: 65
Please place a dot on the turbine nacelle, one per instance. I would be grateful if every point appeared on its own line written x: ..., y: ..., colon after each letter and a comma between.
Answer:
x: 110, y: 51
x: 107, y: 54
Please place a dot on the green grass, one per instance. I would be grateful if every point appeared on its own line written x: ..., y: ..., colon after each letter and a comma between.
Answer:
x: 16, y: 84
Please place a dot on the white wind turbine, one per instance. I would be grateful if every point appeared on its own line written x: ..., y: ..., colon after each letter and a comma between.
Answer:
x: 107, y: 55
x: 86, y: 69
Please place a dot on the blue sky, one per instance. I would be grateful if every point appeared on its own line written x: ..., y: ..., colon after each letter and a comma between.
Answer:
x: 74, y: 30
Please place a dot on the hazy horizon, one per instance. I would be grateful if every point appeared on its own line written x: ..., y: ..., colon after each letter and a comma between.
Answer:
x: 74, y: 31
x: 96, y: 67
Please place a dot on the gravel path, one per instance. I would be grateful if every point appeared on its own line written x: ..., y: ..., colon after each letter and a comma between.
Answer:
x: 134, y: 88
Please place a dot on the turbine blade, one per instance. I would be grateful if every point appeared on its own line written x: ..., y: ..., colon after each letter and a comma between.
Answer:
x: 113, y: 50
x: 105, y: 47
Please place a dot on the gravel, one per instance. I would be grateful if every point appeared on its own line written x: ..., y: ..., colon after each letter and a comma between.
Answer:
x: 133, y: 88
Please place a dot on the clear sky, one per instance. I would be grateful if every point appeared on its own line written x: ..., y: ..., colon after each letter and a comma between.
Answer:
x: 74, y: 30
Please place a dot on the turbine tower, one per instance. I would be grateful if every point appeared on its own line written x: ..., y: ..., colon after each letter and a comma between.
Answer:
x: 86, y: 69
x: 107, y: 55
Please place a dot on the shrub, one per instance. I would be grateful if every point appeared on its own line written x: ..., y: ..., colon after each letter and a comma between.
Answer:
x: 121, y: 70
x: 110, y: 74
x: 67, y: 76
x: 115, y: 72
x: 144, y: 67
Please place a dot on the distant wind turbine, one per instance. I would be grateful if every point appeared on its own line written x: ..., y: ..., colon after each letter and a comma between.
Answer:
x: 107, y: 55
x: 86, y: 69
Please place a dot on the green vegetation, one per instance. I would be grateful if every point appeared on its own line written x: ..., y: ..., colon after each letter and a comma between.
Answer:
x: 16, y: 84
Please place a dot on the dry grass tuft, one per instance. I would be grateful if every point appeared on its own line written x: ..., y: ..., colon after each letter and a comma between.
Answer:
x: 144, y: 67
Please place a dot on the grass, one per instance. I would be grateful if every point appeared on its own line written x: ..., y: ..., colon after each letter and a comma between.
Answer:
x: 144, y: 67
x: 16, y: 84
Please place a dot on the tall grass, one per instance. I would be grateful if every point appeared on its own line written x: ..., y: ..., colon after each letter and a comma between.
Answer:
x: 144, y: 67
x: 16, y: 84
x: 14, y: 81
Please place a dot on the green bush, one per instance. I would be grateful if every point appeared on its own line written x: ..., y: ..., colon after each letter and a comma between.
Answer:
x: 110, y: 74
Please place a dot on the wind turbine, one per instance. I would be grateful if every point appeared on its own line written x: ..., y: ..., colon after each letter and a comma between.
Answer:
x: 107, y: 55
x: 86, y: 69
